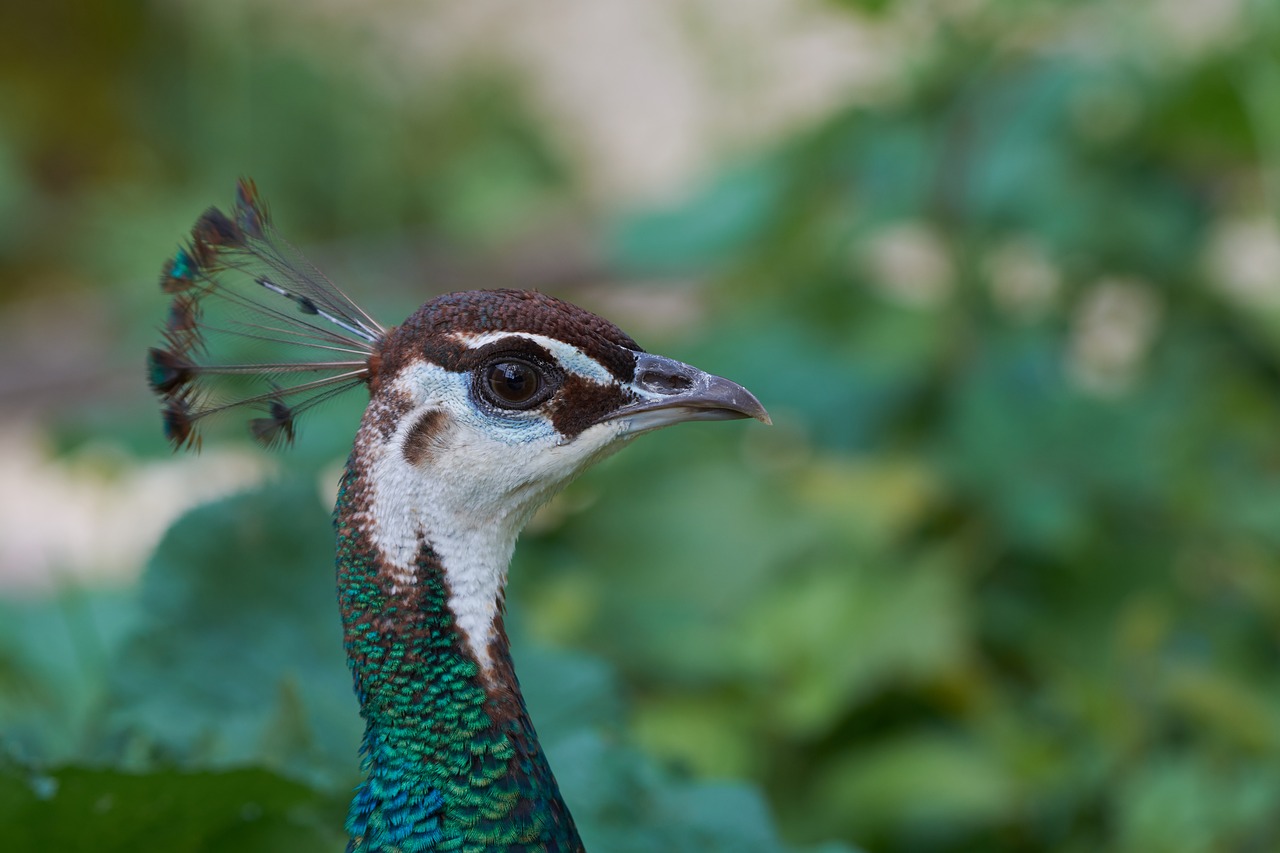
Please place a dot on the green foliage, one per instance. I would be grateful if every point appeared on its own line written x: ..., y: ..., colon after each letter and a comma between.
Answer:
x: 54, y: 657
x: 1062, y: 632
x: 77, y: 808
x: 237, y: 621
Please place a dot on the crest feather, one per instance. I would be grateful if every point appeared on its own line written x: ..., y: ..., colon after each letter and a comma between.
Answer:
x: 252, y: 324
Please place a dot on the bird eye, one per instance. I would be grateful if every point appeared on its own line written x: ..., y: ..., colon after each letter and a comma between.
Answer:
x: 513, y: 384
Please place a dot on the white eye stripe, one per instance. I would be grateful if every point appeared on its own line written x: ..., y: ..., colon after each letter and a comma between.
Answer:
x: 570, y: 357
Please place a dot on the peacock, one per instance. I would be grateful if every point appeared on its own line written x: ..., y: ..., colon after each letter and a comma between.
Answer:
x: 482, y: 405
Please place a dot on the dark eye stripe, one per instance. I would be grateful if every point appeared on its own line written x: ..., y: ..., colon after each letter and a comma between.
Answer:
x: 582, y: 403
x: 513, y: 345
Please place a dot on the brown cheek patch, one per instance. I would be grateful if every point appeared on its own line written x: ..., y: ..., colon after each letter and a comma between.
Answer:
x: 423, y: 440
x: 582, y: 403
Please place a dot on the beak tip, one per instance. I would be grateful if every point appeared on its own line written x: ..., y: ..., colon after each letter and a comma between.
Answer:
x: 753, y: 408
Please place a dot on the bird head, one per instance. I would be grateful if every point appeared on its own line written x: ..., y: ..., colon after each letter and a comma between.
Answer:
x: 499, y: 397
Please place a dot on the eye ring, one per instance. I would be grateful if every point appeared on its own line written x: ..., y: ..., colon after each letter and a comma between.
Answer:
x: 514, y: 383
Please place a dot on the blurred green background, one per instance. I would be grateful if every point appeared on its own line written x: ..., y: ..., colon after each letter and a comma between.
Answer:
x: 1005, y: 272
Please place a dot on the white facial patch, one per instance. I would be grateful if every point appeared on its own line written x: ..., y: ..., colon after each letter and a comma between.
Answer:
x: 485, y: 476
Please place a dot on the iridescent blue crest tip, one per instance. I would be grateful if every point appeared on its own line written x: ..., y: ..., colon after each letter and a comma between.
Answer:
x: 167, y: 371
x: 179, y: 272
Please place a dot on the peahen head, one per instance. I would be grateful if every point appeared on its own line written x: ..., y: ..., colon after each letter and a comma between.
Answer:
x: 482, y: 405
x: 485, y: 403
x: 501, y: 396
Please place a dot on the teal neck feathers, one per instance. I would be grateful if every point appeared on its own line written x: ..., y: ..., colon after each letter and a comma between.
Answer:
x: 451, y: 758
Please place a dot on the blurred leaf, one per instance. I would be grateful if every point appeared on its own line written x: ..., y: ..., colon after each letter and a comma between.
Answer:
x: 1235, y: 711
x: 565, y: 692
x: 240, y: 643
x: 79, y: 808
x: 703, y: 231
x: 1182, y: 802
x: 892, y: 629
x: 623, y: 802
x: 918, y: 786
x: 54, y: 657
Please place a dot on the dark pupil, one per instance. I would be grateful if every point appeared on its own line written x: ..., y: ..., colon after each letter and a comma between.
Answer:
x: 512, y: 381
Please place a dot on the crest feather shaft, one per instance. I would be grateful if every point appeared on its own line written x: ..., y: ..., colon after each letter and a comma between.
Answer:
x: 252, y: 325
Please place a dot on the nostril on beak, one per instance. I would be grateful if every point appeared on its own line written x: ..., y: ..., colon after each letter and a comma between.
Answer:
x: 665, y: 383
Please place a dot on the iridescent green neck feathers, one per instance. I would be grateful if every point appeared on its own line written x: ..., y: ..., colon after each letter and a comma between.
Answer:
x: 452, y: 761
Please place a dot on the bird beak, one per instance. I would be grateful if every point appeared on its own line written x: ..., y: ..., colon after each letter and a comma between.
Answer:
x: 672, y: 392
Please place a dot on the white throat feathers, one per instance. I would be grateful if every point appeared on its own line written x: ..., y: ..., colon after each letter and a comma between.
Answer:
x: 465, y: 484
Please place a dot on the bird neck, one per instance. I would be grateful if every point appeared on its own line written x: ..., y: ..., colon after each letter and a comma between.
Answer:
x: 450, y: 753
